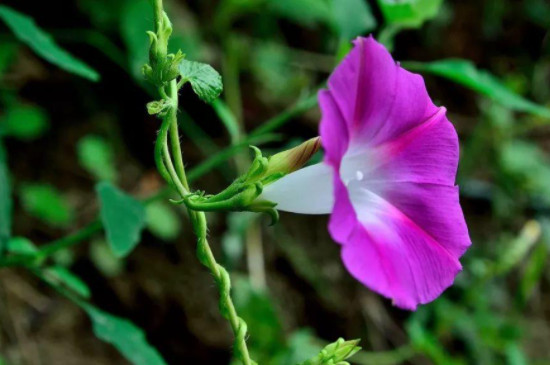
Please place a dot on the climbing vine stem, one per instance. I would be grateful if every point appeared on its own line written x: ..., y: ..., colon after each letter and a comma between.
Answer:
x: 169, y: 160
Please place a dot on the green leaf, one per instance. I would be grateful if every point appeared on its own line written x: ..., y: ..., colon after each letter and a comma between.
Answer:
x: 24, y: 122
x: 5, y: 200
x: 123, y: 218
x: 352, y: 18
x: 162, y: 221
x: 64, y: 276
x: 26, y: 30
x: 128, y: 339
x: 465, y: 73
x: 409, y: 13
x: 205, y: 81
x: 46, y: 203
x: 21, y: 246
x: 97, y: 157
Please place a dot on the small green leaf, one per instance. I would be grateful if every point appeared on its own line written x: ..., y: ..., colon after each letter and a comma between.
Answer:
x: 162, y: 221
x: 97, y: 157
x: 409, y: 13
x: 24, y: 122
x: 352, y: 18
x: 205, y: 81
x: 45, y: 202
x: 5, y: 199
x: 128, y: 339
x: 26, y: 30
x: 64, y: 276
x: 21, y: 246
x: 123, y: 218
x: 465, y: 73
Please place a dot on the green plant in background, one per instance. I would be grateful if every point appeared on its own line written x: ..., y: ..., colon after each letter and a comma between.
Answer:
x: 517, y: 168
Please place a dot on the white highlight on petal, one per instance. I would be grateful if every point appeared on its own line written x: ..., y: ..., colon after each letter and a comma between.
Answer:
x: 306, y: 191
x: 359, y: 175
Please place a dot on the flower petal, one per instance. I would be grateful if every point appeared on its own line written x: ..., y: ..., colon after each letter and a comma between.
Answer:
x: 377, y: 99
x: 307, y: 191
x: 392, y: 255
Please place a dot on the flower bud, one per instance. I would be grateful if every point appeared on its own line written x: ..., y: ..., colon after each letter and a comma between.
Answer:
x: 293, y: 159
x: 335, y: 353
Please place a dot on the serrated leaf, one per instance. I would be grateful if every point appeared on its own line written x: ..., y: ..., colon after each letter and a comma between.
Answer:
x: 128, y: 339
x: 21, y: 246
x: 26, y: 30
x: 162, y: 221
x: 97, y: 157
x: 409, y: 13
x: 24, y: 122
x: 5, y: 200
x: 352, y: 18
x: 46, y: 203
x: 205, y: 80
x: 465, y: 73
x: 123, y: 218
x: 70, y: 280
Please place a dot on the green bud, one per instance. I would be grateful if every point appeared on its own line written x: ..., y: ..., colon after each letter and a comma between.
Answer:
x: 293, y: 159
x: 159, y: 107
x: 336, y: 353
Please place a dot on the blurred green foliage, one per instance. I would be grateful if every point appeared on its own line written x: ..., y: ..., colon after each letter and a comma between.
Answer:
x: 493, y: 312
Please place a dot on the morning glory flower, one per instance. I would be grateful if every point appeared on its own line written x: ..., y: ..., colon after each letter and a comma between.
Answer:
x: 387, y: 180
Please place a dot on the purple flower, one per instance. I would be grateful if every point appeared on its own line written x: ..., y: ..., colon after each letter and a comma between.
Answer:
x: 388, y: 179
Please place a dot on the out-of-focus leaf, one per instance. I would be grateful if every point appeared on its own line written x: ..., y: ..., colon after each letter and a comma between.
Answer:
x: 24, y: 122
x: 529, y: 165
x: 162, y: 221
x: 26, y: 30
x: 63, y: 276
x: 104, y: 259
x: 97, y: 157
x: 21, y: 246
x: 533, y: 272
x: 123, y: 218
x: 204, y: 79
x: 425, y: 342
x: 45, y: 202
x: 256, y: 308
x: 5, y: 200
x: 465, y: 73
x: 105, y: 14
x: 515, y: 355
x: 409, y: 13
x: 305, y: 12
x: 128, y: 339
x: 302, y: 345
x: 133, y: 27
x: 519, y: 248
x: 352, y: 18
